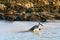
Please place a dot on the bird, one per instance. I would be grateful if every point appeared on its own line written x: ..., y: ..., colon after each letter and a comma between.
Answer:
x: 35, y: 29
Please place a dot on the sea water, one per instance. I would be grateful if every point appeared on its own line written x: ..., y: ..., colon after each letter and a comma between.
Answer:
x: 12, y: 30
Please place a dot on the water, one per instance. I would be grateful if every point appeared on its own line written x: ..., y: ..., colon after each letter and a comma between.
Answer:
x: 11, y: 31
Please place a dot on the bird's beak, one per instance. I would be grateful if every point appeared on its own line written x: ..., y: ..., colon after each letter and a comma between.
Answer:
x: 40, y: 24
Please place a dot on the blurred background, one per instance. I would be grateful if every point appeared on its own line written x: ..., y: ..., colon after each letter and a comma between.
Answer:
x: 29, y: 10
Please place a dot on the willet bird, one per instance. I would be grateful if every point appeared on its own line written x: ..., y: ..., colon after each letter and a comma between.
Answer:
x: 35, y: 29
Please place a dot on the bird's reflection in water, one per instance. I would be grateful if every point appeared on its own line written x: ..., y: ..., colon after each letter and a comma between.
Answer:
x: 34, y: 32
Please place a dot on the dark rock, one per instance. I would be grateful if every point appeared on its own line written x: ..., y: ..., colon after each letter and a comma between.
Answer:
x: 1, y: 17
x: 29, y: 10
x: 18, y: 18
x: 8, y: 18
x: 43, y: 18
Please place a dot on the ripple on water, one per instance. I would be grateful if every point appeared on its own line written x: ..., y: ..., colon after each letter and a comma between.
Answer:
x: 51, y: 34
x: 46, y: 34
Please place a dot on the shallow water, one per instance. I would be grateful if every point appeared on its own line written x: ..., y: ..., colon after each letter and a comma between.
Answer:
x: 11, y: 31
